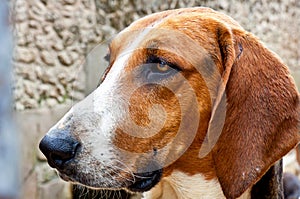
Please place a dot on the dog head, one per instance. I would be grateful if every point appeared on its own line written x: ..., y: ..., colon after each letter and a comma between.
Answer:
x: 185, y: 90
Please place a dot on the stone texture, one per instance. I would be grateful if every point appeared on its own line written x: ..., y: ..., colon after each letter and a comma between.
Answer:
x: 65, y: 59
x: 48, y: 58
x: 39, y: 180
x: 59, y: 34
x: 24, y: 55
x: 30, y: 186
x: 56, y: 188
x: 49, y: 38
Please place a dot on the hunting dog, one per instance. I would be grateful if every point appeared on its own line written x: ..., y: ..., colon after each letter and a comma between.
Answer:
x: 191, y: 106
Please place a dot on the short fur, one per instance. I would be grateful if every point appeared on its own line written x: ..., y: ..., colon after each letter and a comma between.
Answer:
x: 261, y: 122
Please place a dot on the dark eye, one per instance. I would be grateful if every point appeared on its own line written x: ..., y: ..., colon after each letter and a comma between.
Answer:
x: 157, y: 69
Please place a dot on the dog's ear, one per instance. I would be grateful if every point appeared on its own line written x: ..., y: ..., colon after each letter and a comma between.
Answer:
x: 262, y: 112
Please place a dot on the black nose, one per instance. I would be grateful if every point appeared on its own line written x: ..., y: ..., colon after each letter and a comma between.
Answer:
x: 59, y: 147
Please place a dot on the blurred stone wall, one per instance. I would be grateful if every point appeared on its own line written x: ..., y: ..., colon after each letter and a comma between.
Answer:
x: 53, y: 37
x: 9, y: 157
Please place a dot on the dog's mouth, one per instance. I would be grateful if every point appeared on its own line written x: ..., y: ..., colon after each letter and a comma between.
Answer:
x: 142, y: 181
x: 145, y: 181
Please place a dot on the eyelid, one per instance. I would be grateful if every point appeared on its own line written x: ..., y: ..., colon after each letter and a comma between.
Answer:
x: 160, y: 60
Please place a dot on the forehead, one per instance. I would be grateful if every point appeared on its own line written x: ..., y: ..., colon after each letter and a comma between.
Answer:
x: 190, y: 21
x: 168, y: 35
x: 168, y: 20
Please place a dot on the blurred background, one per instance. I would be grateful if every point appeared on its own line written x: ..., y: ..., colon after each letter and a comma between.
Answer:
x: 51, y: 68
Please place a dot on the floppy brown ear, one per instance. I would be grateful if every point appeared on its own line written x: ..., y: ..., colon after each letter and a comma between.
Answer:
x: 262, y: 113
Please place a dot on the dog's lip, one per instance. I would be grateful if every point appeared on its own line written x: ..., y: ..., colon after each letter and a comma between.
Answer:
x: 67, y: 174
x: 145, y: 181
x: 142, y: 181
x: 64, y: 177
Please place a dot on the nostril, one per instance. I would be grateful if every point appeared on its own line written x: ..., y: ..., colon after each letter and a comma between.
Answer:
x: 60, y: 156
x: 59, y: 150
x: 65, y: 153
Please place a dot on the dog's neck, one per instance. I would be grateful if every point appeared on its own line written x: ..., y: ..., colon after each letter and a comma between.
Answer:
x: 181, y: 186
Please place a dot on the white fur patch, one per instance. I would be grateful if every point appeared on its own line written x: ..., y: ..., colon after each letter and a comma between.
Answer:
x: 182, y: 186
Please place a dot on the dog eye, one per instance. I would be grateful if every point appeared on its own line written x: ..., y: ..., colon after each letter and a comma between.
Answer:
x: 158, y: 69
x: 161, y: 67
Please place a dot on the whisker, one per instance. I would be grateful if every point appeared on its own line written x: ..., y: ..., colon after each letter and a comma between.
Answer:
x: 116, y: 169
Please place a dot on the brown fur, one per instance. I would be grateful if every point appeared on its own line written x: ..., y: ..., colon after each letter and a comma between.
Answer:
x: 244, y: 96
x: 262, y: 115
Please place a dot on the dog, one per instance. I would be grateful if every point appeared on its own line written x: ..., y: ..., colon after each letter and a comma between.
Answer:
x: 190, y: 106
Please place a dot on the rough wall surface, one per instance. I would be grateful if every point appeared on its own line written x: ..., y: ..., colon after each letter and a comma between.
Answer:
x: 52, y: 38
